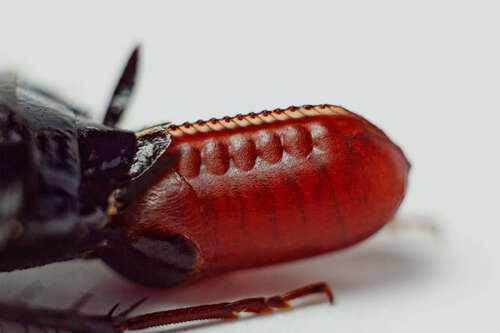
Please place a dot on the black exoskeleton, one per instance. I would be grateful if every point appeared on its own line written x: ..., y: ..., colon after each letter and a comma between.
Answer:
x: 57, y: 170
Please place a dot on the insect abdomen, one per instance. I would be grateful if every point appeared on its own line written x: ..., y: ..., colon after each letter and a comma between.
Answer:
x: 251, y: 190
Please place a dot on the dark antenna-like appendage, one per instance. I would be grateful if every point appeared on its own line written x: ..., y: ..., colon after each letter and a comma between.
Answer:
x: 121, y: 96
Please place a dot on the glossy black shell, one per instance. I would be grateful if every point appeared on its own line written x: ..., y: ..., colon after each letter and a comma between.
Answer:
x: 57, y: 170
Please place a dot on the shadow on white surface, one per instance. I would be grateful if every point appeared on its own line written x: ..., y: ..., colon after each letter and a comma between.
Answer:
x: 357, y: 272
x: 389, y: 261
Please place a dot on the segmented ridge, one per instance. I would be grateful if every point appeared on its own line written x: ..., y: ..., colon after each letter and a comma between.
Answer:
x: 255, y: 119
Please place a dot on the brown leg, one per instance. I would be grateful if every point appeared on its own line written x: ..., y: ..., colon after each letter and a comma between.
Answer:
x: 222, y: 310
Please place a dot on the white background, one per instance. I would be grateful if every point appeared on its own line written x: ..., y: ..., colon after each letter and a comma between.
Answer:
x: 426, y: 72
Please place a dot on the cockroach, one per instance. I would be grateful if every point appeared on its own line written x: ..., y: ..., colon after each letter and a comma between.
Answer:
x: 173, y: 204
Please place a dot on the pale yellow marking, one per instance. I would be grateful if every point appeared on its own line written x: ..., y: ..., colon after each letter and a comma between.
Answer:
x: 188, y: 130
x: 176, y: 132
x: 294, y: 114
x: 279, y: 116
x: 310, y: 113
x: 241, y: 122
x: 217, y: 126
x: 202, y: 128
x: 113, y: 204
x: 267, y: 118
x: 325, y: 110
x: 254, y: 120
x: 258, y: 119
x: 335, y: 110
x: 229, y: 124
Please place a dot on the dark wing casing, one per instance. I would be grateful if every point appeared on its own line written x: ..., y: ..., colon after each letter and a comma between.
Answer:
x: 57, y: 169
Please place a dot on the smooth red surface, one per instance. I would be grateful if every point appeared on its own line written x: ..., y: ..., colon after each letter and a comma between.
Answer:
x: 275, y: 192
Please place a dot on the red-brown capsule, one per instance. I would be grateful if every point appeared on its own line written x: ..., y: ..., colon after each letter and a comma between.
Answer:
x: 262, y: 189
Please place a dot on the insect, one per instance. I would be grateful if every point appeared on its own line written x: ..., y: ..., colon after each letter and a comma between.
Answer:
x: 174, y: 204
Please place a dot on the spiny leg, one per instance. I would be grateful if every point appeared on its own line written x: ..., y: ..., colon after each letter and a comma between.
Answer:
x: 55, y: 319
x: 222, y: 310
x: 123, y: 91
x: 71, y: 321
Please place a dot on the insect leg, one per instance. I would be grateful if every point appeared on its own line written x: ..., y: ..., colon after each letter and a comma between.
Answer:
x: 123, y: 91
x: 223, y: 310
x: 58, y: 320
